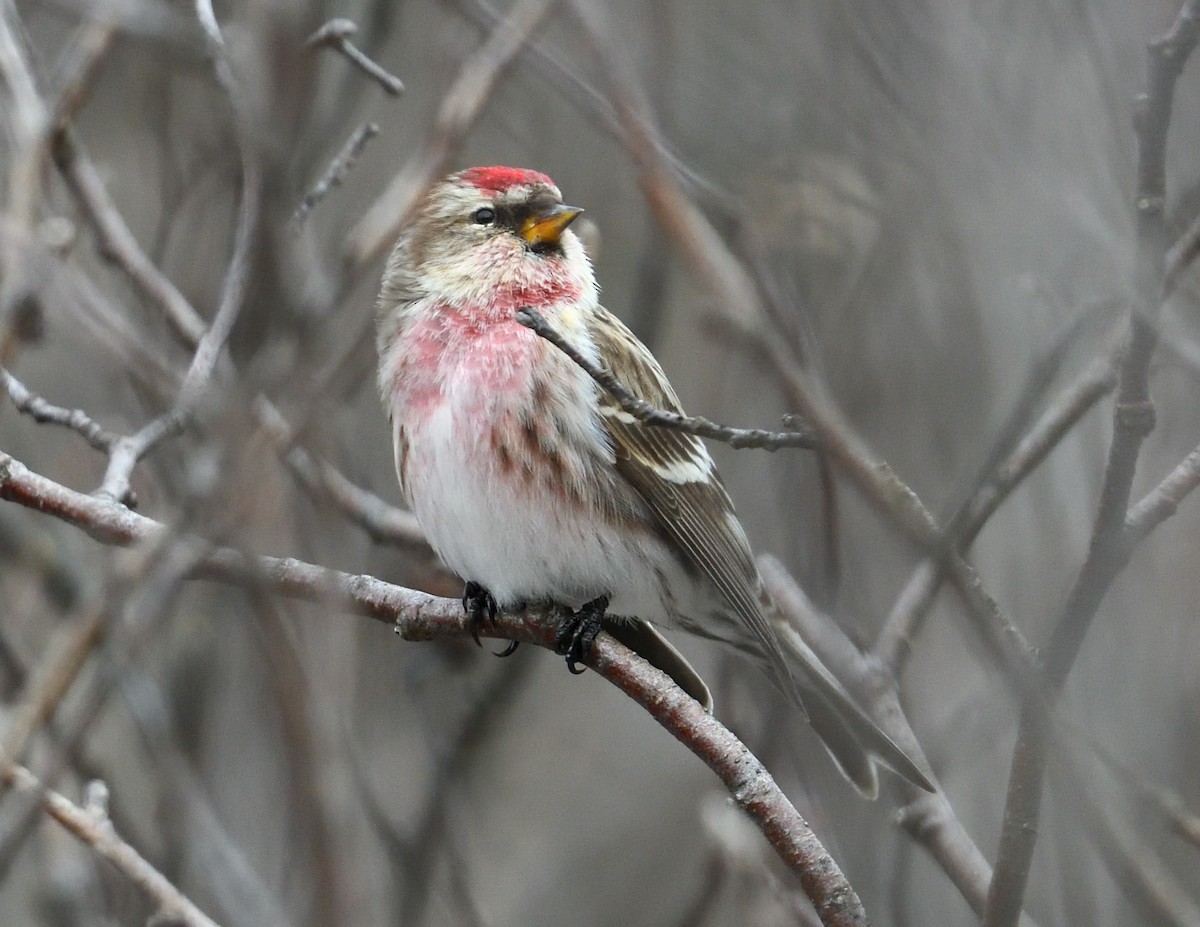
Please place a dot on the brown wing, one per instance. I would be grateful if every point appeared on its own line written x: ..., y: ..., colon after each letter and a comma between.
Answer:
x: 673, y: 472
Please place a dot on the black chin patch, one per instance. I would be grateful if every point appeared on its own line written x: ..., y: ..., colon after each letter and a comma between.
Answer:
x: 546, y: 247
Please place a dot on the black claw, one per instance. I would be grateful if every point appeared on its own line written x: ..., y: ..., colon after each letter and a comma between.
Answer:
x: 507, y: 651
x: 480, y: 607
x: 578, y: 632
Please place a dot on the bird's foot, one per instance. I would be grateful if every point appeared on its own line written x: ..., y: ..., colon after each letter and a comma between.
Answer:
x: 578, y: 632
x: 480, y: 606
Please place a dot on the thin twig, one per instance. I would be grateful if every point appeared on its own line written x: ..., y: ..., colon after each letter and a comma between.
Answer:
x: 117, y: 242
x: 1163, y: 801
x: 337, y: 172
x: 90, y: 824
x: 235, y: 887
x: 459, y: 110
x: 417, y: 616
x: 928, y: 818
x: 237, y: 273
x: 43, y: 412
x: 147, y: 589
x: 25, y: 117
x: 643, y: 411
x: 382, y: 522
x: 336, y: 34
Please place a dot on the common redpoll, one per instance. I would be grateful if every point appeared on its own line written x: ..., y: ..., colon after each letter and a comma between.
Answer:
x: 533, y: 484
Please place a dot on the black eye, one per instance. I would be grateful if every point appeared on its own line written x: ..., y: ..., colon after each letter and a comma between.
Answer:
x: 484, y: 216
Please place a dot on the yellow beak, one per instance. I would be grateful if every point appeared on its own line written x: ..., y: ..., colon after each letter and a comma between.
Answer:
x: 546, y: 228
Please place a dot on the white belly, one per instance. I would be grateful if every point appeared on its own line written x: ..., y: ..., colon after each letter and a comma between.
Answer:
x: 522, y: 541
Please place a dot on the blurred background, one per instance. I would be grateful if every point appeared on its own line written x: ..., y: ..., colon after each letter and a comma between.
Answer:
x: 926, y: 194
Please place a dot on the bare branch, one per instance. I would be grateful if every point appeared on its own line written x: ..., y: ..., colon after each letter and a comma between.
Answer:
x: 337, y: 172
x: 127, y: 451
x: 1184, y: 821
x: 90, y: 824
x: 118, y: 244
x: 236, y: 888
x: 927, y: 817
x: 643, y: 411
x: 1163, y: 501
x: 1133, y: 419
x: 1139, y: 868
x: 336, y: 34
x: 43, y: 412
x: 417, y: 616
x: 1179, y: 258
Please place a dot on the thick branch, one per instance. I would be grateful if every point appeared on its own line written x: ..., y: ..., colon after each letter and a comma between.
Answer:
x: 417, y: 616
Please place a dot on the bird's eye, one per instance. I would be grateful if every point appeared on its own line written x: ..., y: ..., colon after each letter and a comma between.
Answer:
x: 484, y: 216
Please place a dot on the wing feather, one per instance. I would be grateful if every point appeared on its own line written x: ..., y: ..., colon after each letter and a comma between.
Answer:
x: 673, y: 472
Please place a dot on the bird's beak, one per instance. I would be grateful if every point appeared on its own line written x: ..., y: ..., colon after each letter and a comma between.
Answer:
x: 545, y: 228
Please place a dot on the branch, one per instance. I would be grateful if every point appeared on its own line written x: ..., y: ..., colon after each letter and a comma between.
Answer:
x: 382, y: 522
x: 927, y: 817
x: 91, y: 825
x: 416, y: 616
x: 643, y: 411
x: 1133, y: 419
x: 1140, y: 869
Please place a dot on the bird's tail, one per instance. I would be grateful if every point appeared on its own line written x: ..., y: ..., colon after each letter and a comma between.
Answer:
x: 853, y: 740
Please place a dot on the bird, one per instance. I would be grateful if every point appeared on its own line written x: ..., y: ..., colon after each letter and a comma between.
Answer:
x: 534, y: 484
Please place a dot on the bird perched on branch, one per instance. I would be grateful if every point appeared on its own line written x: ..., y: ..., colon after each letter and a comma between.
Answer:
x: 535, y: 485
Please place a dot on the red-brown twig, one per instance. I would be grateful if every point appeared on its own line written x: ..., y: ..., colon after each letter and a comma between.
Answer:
x: 417, y: 616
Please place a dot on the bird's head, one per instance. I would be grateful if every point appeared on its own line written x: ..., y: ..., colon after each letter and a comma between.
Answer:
x: 488, y: 230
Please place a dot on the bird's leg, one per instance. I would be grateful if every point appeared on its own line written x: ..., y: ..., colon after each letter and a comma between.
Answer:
x: 578, y: 632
